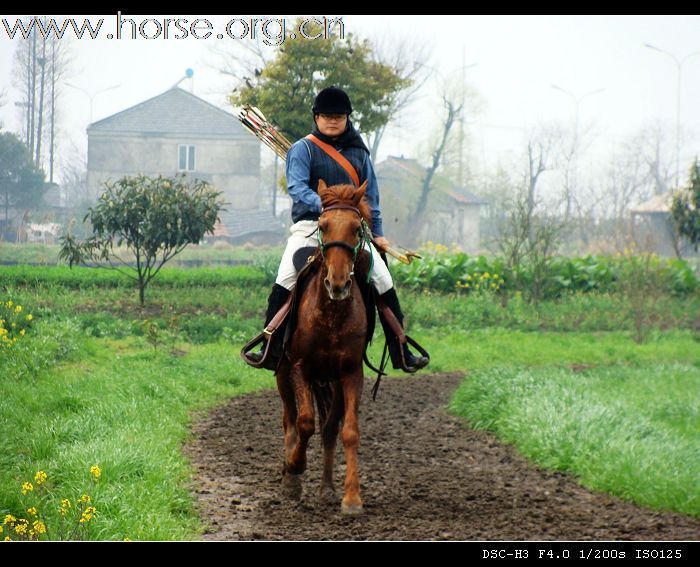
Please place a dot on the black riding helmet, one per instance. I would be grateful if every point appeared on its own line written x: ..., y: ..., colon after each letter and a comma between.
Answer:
x: 332, y: 100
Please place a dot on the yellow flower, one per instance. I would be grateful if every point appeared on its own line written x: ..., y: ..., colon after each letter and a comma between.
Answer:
x: 88, y: 514
x: 8, y: 538
x: 31, y: 511
x: 39, y: 527
x: 27, y: 487
x: 18, y: 309
x: 21, y: 529
x: 127, y: 539
x: 95, y: 471
x: 21, y: 332
x: 65, y: 503
x: 84, y: 498
x: 469, y: 276
x: 40, y: 478
x: 30, y: 317
x: 1, y: 529
x: 9, y: 304
x: 10, y: 519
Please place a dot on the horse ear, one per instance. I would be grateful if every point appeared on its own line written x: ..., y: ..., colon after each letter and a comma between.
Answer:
x: 359, y: 193
x: 322, y: 188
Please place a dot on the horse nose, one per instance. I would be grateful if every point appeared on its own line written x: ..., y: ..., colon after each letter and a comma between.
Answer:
x: 337, y: 291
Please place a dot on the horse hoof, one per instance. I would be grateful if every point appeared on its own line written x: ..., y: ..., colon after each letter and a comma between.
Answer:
x: 291, y: 486
x: 351, y: 509
x: 329, y: 496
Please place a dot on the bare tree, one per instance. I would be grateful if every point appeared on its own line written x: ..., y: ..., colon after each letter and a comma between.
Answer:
x: 409, y: 58
x: 417, y: 217
x: 542, y: 146
x: 40, y: 64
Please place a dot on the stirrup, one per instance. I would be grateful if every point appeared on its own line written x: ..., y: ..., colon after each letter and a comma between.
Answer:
x: 402, y: 359
x: 265, y: 336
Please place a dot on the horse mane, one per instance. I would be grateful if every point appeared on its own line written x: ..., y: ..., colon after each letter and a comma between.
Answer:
x: 342, y: 194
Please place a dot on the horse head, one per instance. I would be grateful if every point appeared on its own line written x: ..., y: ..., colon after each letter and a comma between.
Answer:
x: 343, y: 228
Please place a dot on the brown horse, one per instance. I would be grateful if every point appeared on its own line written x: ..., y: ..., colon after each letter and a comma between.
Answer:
x: 324, y: 356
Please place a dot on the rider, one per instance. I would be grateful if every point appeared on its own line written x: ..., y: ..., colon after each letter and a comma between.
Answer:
x: 306, y: 165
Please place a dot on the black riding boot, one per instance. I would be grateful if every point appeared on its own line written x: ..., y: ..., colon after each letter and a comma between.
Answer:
x: 391, y: 300
x: 275, y: 301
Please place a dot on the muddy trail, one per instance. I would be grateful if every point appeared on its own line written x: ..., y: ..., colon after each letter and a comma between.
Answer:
x: 424, y: 476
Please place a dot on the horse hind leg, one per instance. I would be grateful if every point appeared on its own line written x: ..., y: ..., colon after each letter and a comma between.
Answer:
x: 329, y: 417
x: 291, y: 483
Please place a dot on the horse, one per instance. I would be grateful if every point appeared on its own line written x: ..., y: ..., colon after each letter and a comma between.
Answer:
x: 323, y: 361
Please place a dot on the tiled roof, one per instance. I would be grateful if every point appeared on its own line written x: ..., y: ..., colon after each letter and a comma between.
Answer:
x: 175, y: 111
x: 657, y: 204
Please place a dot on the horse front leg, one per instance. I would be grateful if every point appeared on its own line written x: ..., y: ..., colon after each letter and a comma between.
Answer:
x: 289, y: 410
x: 329, y: 434
x: 305, y: 425
x: 352, y: 392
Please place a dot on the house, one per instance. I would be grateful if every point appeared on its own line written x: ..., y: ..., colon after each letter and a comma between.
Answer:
x: 452, y: 213
x: 653, y: 227
x: 178, y: 132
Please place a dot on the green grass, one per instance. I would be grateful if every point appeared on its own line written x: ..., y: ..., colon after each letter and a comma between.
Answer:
x: 86, y: 388
x: 629, y: 430
x: 126, y: 407
x: 205, y: 254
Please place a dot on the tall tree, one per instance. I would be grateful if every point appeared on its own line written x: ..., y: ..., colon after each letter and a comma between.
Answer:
x: 40, y: 65
x: 285, y: 88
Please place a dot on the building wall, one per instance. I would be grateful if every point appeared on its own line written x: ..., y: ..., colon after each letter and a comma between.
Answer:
x: 459, y: 226
x: 231, y: 165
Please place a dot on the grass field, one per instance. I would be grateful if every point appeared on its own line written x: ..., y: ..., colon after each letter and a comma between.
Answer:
x: 569, y: 389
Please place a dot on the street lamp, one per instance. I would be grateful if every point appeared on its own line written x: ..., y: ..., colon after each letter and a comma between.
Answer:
x: 577, y: 102
x: 679, y: 65
x: 92, y: 96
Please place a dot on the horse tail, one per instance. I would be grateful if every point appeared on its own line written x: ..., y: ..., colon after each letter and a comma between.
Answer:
x: 327, y: 395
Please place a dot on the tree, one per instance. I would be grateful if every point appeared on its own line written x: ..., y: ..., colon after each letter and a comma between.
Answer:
x: 21, y: 181
x: 156, y: 218
x: 40, y: 66
x: 287, y: 85
x: 418, y: 216
x: 685, y: 209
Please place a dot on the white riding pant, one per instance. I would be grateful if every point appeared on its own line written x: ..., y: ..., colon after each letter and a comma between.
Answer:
x: 287, y: 274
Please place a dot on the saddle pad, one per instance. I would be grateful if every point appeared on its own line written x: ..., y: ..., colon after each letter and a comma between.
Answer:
x: 301, y: 256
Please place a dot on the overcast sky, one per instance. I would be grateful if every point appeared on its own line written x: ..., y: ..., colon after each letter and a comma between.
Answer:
x: 513, y: 62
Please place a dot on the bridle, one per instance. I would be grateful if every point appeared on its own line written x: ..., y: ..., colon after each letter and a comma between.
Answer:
x: 365, y: 236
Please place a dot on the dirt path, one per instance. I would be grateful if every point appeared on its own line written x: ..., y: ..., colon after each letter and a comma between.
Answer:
x: 424, y: 476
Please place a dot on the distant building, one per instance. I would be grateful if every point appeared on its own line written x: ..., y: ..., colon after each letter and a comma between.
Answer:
x: 452, y: 213
x: 178, y: 132
x: 653, y: 227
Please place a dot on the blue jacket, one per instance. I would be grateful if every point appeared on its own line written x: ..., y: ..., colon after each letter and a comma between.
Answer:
x: 307, y: 163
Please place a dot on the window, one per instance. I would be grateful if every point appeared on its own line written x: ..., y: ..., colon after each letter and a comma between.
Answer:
x: 185, y: 158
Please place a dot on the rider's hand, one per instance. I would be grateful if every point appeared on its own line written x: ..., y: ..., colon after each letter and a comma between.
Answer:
x: 382, y: 243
